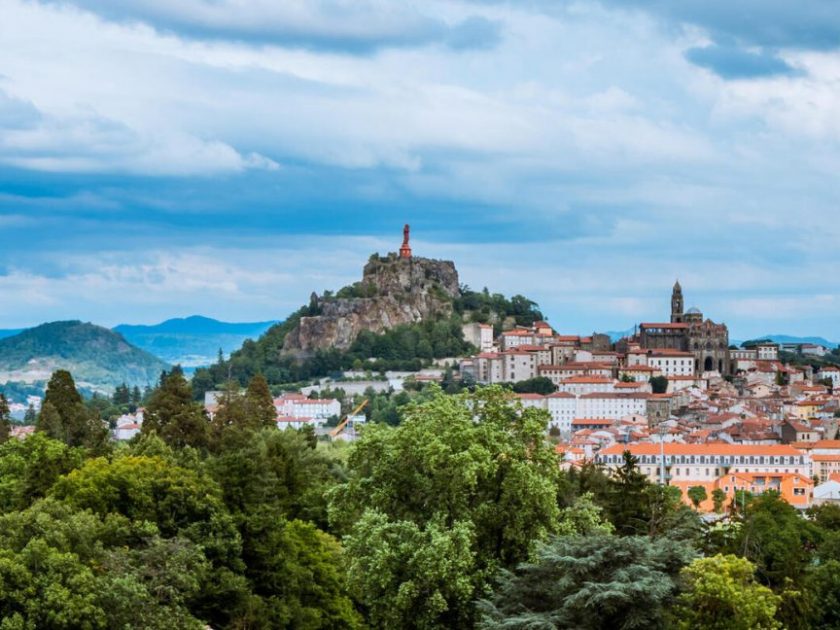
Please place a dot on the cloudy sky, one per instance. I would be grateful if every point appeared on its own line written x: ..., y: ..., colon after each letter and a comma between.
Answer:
x: 227, y: 157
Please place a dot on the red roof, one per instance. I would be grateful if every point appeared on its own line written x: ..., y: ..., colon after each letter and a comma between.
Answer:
x: 712, y: 448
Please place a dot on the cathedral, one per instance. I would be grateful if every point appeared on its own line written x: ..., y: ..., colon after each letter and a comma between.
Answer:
x: 689, y: 332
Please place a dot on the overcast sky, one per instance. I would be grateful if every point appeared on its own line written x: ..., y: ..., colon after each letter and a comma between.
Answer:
x: 227, y: 157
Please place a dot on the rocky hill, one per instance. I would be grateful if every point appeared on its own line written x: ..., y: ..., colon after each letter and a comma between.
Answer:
x: 393, y: 291
x: 98, y: 358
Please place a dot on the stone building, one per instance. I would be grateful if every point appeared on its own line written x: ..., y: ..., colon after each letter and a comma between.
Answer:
x: 689, y: 332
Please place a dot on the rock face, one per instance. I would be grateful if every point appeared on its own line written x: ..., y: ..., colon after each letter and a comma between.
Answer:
x: 393, y: 291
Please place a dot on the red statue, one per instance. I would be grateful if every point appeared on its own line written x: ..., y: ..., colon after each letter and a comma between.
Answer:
x: 405, y: 250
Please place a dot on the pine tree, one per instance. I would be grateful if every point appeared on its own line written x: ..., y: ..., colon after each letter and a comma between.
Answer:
x: 260, y: 403
x: 136, y: 397
x: 629, y: 507
x: 65, y: 417
x: 31, y: 416
x: 5, y: 419
x: 49, y: 421
x: 122, y: 396
x: 230, y: 417
x: 173, y: 415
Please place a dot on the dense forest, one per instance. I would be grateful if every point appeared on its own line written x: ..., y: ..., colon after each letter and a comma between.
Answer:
x: 405, y: 347
x: 459, y: 516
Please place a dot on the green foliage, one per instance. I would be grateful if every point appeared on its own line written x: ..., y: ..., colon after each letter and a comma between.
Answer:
x: 404, y: 347
x: 776, y: 539
x: 659, y: 384
x: 537, y: 385
x: 29, y: 468
x: 94, y: 354
x: 173, y: 415
x: 64, y: 568
x: 280, y: 469
x: 721, y: 593
x: 583, y: 518
x: 483, y: 307
x: 697, y: 494
x: 5, y: 419
x: 470, y: 465
x: 628, y: 505
x: 411, y: 575
x: 718, y: 499
x: 297, y: 570
x: 589, y: 582
x: 65, y: 417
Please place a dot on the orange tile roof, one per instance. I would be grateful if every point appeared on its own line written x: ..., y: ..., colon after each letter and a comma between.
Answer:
x: 710, y: 448
x: 817, y: 457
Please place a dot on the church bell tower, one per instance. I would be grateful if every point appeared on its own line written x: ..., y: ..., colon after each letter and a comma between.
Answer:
x: 677, y: 304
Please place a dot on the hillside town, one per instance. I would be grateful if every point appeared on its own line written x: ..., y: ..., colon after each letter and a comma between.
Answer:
x: 720, y: 417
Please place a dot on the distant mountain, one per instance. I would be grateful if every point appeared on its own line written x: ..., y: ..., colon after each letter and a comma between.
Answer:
x: 192, y: 341
x: 10, y: 332
x: 615, y: 335
x: 793, y: 339
x: 97, y: 357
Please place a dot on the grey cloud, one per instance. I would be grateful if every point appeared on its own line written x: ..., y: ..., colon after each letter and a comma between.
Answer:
x: 747, y: 35
x: 356, y: 27
x: 732, y: 62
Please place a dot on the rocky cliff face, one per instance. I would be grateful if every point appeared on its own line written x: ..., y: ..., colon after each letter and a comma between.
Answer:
x: 393, y: 291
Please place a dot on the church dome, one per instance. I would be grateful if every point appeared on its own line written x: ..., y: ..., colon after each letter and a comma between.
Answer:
x: 693, y: 311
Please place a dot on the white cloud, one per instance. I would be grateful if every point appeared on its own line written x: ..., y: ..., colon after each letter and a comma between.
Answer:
x: 584, y: 130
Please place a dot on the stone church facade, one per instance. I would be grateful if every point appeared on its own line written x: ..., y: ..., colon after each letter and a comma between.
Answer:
x: 689, y: 332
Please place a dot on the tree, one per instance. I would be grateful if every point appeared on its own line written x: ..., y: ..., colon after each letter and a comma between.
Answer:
x: 776, y: 538
x: 537, y: 385
x: 628, y: 506
x: 64, y: 568
x: 31, y: 416
x: 298, y: 572
x: 583, y: 518
x: 589, y: 583
x: 459, y: 469
x: 65, y: 417
x: 260, y: 403
x: 173, y: 415
x: 697, y: 494
x: 276, y: 469
x: 122, y: 395
x: 659, y: 384
x: 412, y: 576
x: 720, y: 593
x: 5, y: 419
x: 179, y: 503
x: 28, y: 468
x: 718, y: 498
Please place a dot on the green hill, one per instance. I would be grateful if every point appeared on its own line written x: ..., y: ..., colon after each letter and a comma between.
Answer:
x: 98, y: 358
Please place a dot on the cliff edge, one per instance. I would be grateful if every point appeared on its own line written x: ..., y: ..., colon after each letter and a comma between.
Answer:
x: 394, y: 290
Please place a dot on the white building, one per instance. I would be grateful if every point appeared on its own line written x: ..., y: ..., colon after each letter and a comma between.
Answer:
x: 830, y: 372
x: 299, y: 406
x: 580, y: 385
x: 672, y: 362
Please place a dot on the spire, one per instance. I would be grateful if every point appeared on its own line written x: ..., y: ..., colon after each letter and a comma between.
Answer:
x: 677, y: 305
x: 405, y: 250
